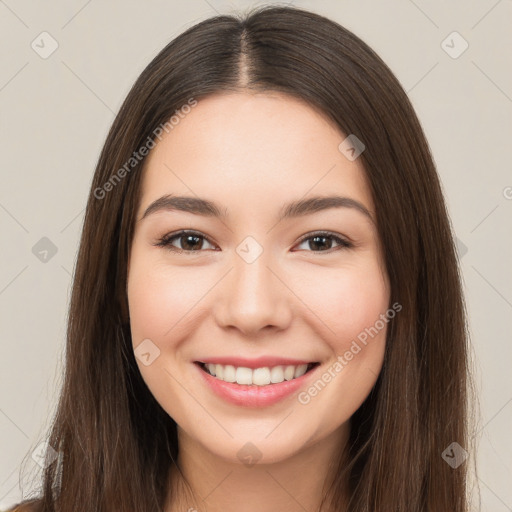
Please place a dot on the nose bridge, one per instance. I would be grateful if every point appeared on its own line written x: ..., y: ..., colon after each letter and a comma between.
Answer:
x: 254, y: 297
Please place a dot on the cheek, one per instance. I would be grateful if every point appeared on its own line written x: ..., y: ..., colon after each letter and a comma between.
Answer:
x: 346, y: 301
x: 349, y: 305
x: 151, y: 303
x: 159, y: 299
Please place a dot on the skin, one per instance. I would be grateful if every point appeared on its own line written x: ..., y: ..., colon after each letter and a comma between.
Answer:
x: 251, y: 153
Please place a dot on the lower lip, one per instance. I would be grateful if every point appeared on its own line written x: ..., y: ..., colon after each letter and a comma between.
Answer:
x: 253, y: 396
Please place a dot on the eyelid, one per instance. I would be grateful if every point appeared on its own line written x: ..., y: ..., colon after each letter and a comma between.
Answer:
x: 343, y: 242
x: 164, y: 241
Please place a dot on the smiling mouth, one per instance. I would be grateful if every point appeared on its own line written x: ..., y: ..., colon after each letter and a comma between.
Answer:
x: 264, y: 376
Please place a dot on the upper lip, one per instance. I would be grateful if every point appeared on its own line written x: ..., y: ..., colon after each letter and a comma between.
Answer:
x: 259, y: 362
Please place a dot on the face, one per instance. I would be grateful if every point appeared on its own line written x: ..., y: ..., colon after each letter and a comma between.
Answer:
x: 255, y: 292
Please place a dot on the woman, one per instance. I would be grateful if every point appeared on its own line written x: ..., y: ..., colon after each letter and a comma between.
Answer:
x: 218, y: 357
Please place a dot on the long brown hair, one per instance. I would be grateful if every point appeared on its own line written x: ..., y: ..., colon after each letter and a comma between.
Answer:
x: 115, y: 443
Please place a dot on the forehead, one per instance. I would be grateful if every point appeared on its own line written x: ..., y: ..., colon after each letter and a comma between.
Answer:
x: 246, y: 149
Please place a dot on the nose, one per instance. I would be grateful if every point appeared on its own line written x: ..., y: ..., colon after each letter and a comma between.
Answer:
x: 254, y: 298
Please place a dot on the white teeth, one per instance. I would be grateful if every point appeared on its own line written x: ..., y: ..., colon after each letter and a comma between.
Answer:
x: 289, y: 372
x: 276, y: 375
x: 229, y: 373
x: 259, y: 376
x: 243, y: 375
x: 300, y: 370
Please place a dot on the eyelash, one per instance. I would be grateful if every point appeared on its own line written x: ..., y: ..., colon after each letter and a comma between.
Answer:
x: 166, y: 240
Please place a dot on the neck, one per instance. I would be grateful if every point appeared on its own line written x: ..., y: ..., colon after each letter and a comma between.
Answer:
x: 203, y: 481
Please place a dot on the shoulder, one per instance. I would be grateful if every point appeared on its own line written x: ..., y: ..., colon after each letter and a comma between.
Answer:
x: 26, y: 506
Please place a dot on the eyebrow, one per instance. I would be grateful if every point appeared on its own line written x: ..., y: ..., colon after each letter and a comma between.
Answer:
x: 299, y: 208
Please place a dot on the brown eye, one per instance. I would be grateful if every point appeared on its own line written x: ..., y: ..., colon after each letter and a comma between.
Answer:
x: 190, y: 241
x: 324, y: 239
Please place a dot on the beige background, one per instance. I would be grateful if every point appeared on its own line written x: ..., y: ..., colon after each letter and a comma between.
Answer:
x: 55, y: 113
